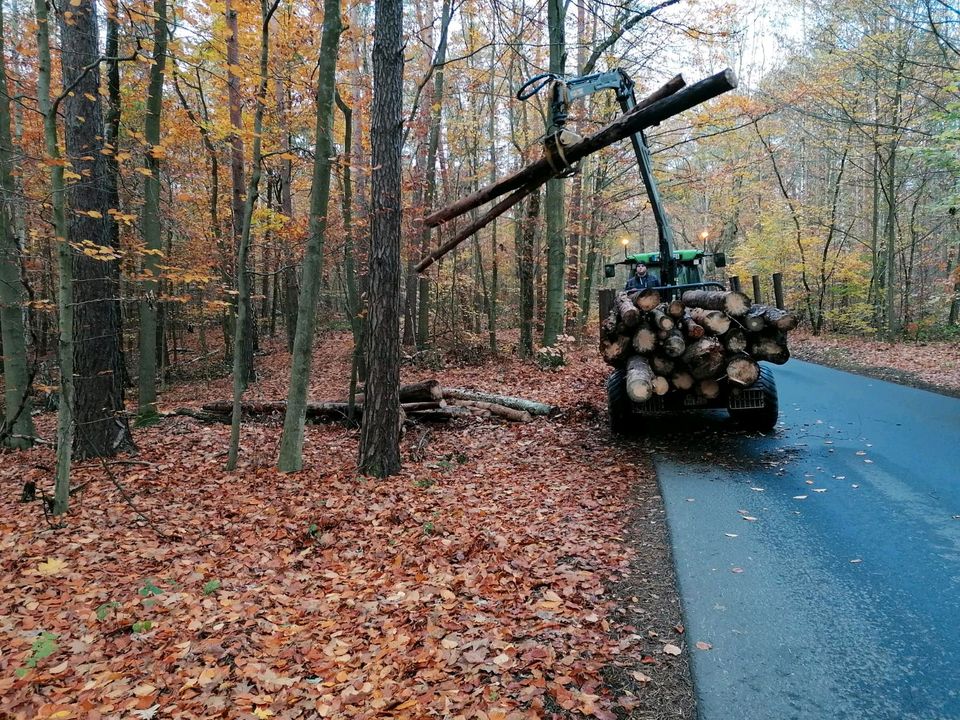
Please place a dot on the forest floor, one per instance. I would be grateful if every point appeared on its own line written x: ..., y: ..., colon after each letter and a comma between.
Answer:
x: 509, y: 571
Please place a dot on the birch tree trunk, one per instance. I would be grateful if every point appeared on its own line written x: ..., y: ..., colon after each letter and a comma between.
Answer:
x: 291, y: 443
x: 380, y: 434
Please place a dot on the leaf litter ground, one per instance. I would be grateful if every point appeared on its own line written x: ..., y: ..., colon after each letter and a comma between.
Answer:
x: 510, y: 571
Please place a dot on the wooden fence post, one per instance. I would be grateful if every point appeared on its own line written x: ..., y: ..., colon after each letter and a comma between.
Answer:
x: 778, y: 290
x: 756, y: 290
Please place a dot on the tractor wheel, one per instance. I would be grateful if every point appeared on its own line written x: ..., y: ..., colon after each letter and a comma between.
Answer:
x: 618, y: 404
x: 761, y: 419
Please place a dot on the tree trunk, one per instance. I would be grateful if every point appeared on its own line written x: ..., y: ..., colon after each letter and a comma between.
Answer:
x: 291, y: 443
x: 492, y: 304
x: 64, y: 262
x: 433, y: 145
x: 237, y: 200
x: 380, y: 434
x: 244, y: 308
x: 147, y: 398
x: 99, y: 413
x: 17, y: 430
x: 553, y: 205
x: 112, y: 120
x: 527, y: 235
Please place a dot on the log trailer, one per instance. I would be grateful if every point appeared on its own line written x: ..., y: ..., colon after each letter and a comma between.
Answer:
x: 687, y: 344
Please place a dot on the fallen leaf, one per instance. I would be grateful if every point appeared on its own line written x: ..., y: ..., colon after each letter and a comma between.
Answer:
x: 671, y: 649
x: 737, y: 570
x: 703, y: 645
x: 640, y: 677
x: 731, y: 535
x: 51, y: 567
x: 749, y: 517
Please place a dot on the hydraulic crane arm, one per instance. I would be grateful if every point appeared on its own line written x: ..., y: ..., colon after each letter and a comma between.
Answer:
x: 563, y: 91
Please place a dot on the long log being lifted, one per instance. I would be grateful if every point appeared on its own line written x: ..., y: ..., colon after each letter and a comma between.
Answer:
x: 669, y: 100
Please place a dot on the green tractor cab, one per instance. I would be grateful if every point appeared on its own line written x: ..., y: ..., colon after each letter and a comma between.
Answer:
x: 688, y: 267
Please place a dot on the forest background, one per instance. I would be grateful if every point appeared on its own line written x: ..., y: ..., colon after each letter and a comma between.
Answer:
x: 176, y: 171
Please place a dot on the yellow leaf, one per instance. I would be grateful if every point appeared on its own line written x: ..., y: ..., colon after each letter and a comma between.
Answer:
x: 51, y: 567
x: 263, y: 713
x: 75, y: 3
x: 94, y: 214
x: 61, y: 714
x: 145, y: 171
x: 70, y: 175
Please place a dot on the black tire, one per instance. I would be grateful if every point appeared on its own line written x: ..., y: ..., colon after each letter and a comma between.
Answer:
x: 618, y: 404
x: 761, y: 419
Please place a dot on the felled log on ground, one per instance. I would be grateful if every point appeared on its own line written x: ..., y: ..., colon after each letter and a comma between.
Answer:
x: 531, y: 406
x: 508, y: 413
x: 426, y: 391
x: 316, y: 412
x: 639, y: 379
x: 733, y: 303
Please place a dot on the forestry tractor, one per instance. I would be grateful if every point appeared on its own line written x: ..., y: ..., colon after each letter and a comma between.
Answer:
x: 752, y: 401
x: 687, y: 343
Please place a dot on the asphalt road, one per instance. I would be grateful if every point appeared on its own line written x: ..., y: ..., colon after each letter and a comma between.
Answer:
x: 821, y: 563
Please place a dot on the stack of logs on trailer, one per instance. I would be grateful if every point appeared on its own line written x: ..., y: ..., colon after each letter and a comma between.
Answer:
x: 694, y: 344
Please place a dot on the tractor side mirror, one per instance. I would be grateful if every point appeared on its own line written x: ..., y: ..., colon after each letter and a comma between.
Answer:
x: 720, y: 259
x: 609, y: 271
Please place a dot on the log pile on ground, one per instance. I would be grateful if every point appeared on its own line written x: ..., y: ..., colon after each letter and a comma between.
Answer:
x: 425, y: 401
x: 694, y: 344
